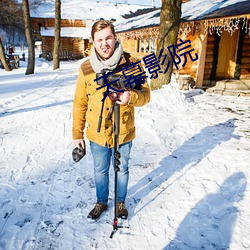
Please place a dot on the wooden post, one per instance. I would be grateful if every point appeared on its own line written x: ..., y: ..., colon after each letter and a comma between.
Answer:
x: 149, y: 45
x: 140, y: 40
x: 201, y: 60
x: 156, y: 42
x: 144, y: 45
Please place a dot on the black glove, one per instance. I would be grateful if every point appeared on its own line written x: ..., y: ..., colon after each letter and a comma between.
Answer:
x: 78, y: 153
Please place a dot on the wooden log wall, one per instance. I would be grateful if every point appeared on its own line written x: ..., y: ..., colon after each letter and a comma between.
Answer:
x: 47, y: 45
x: 66, y: 44
x: 73, y: 45
x: 79, y: 46
x: 209, y: 57
x: 132, y: 42
x: 50, y: 22
x: 210, y: 72
x: 129, y: 45
x: 134, y: 46
x: 245, y: 60
x: 190, y: 68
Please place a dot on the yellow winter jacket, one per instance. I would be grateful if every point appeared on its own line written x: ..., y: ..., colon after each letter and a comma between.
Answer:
x: 87, y: 107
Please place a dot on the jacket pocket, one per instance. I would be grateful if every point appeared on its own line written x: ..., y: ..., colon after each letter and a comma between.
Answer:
x: 127, y: 120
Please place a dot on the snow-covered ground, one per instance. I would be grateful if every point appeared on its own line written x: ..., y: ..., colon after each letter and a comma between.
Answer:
x: 189, y: 170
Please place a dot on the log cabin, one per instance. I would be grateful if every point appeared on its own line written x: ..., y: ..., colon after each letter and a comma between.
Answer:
x: 74, y: 37
x: 219, y: 32
x: 77, y: 18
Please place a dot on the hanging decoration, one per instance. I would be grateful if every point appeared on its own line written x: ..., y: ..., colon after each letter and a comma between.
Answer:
x: 218, y: 25
x: 140, y: 33
x: 246, y: 25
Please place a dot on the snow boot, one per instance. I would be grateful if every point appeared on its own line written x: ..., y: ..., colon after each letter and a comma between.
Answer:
x: 97, y: 210
x: 122, y: 211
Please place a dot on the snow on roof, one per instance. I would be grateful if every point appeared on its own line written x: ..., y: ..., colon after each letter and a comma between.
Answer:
x: 197, y: 9
x: 192, y: 10
x: 145, y: 20
x: 80, y: 32
x: 85, y: 10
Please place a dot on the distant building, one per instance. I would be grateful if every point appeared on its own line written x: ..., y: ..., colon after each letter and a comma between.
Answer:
x: 77, y: 19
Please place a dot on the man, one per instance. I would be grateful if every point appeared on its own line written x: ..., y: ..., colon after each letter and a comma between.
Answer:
x: 11, y: 50
x: 107, y: 54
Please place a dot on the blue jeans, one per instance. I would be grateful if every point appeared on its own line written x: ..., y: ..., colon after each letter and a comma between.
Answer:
x: 102, y: 158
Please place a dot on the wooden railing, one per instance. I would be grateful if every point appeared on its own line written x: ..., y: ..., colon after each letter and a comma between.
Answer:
x: 64, y: 55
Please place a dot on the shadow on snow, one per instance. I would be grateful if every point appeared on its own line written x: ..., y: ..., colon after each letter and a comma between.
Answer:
x: 189, y: 155
x: 210, y: 223
x: 23, y: 110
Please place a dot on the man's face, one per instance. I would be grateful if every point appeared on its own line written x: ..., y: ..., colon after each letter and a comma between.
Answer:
x: 104, y: 42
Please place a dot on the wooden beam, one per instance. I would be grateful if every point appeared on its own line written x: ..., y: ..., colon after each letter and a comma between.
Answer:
x: 201, y: 61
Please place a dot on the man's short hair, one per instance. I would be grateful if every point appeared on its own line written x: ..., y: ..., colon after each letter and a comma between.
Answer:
x: 100, y: 25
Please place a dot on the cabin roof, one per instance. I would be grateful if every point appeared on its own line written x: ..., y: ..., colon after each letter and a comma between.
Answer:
x: 77, y: 32
x: 85, y: 10
x: 208, y: 9
x: 193, y: 10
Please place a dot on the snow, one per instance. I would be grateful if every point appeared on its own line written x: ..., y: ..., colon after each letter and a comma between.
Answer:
x: 84, y: 33
x: 155, y: 3
x: 196, y: 9
x: 145, y: 20
x: 189, y: 169
x: 86, y: 10
x: 191, y: 10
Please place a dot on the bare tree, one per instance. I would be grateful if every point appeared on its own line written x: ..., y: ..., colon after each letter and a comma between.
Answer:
x: 11, y: 24
x: 28, y: 33
x: 169, y: 27
x: 56, y: 59
x: 11, y: 16
x: 36, y: 3
x: 3, y: 57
